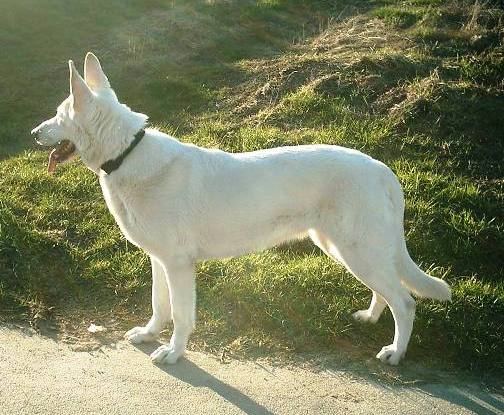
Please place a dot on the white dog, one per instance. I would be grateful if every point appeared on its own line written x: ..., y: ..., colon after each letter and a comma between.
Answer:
x: 182, y: 204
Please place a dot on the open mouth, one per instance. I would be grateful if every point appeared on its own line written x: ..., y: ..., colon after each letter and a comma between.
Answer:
x: 64, y: 151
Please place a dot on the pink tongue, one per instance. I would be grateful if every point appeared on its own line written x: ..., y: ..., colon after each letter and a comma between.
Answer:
x: 63, y: 152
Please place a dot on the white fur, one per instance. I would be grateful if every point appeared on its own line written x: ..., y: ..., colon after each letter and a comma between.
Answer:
x: 182, y: 204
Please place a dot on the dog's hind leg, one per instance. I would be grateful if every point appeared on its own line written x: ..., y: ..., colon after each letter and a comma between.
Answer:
x: 402, y: 306
x: 373, y: 313
x: 372, y: 262
x: 378, y: 304
x: 161, y: 308
x: 377, y: 271
x: 181, y: 282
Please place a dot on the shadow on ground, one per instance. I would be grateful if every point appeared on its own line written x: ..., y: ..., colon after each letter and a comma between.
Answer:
x: 480, y: 402
x: 187, y: 372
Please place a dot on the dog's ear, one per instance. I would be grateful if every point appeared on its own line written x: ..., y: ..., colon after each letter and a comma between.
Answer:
x: 93, y: 73
x: 78, y: 88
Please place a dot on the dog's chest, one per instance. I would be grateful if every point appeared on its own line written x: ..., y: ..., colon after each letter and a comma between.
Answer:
x: 127, y: 207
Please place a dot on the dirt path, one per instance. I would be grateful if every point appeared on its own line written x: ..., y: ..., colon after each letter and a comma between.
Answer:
x: 40, y: 376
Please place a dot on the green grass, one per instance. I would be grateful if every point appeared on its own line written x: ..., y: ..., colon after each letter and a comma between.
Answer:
x: 417, y: 84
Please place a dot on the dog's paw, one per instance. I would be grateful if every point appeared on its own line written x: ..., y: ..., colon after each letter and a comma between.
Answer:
x: 139, y: 335
x: 166, y: 354
x: 389, y: 354
x: 364, y: 316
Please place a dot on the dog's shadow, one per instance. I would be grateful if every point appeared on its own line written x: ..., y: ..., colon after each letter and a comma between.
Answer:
x: 190, y: 373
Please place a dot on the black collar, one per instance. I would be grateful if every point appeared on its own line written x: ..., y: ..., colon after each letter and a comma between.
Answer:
x: 111, y: 165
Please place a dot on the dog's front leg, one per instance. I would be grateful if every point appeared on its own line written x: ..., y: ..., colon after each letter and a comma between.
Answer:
x: 161, y: 308
x: 181, y: 281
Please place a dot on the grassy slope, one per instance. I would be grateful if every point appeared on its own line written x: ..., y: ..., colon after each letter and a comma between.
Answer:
x: 416, y: 84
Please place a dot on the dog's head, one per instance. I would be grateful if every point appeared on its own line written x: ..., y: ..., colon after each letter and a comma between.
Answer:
x: 90, y: 122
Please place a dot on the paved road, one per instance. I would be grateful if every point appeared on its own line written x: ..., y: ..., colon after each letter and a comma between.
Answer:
x: 40, y: 376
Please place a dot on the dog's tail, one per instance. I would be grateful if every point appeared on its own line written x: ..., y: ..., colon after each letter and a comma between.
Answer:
x: 420, y: 283
x: 412, y: 277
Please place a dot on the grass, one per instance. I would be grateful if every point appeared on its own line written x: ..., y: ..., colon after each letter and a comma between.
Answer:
x: 417, y: 84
